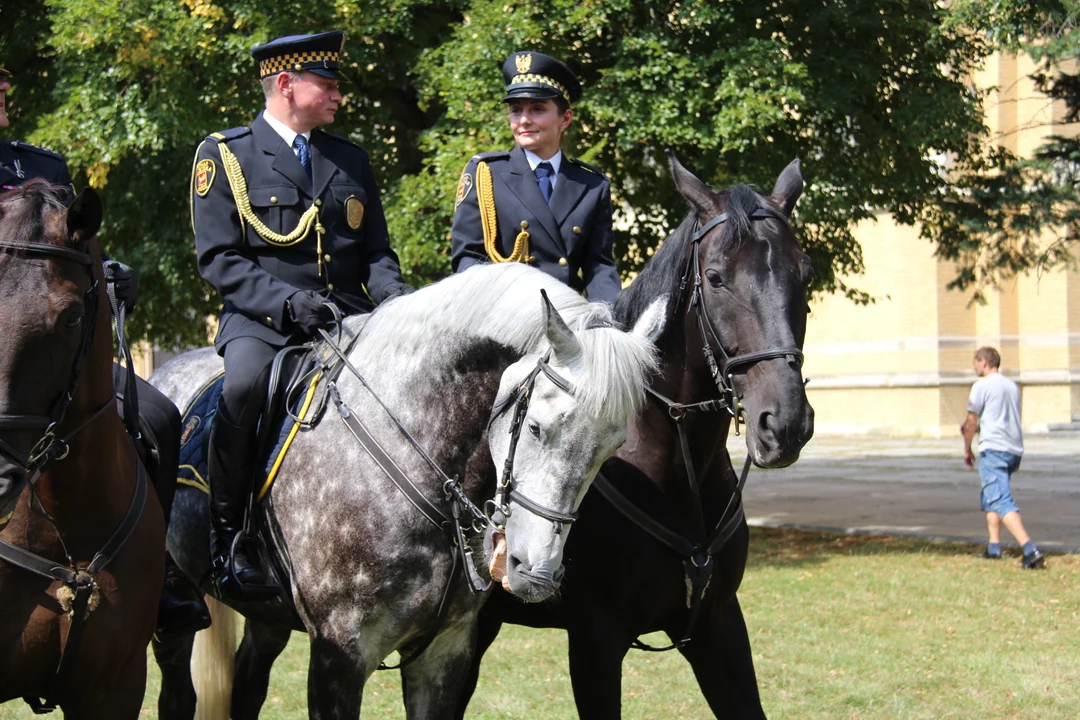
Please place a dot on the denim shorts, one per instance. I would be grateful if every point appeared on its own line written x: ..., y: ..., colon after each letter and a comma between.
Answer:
x: 995, y: 467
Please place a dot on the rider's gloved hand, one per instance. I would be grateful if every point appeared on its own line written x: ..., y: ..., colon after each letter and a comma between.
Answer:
x: 124, y: 280
x: 309, y: 311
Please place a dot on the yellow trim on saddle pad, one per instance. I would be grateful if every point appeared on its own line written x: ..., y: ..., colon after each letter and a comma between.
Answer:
x: 199, y: 482
x: 288, y: 441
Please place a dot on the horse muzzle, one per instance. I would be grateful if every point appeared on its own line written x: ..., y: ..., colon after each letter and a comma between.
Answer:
x: 532, y: 584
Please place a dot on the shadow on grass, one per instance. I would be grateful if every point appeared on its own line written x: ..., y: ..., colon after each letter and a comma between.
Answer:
x: 787, y: 547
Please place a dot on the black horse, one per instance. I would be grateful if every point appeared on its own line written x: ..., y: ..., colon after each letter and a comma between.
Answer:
x: 662, y: 540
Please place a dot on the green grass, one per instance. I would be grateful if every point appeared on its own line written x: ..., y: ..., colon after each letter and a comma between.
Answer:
x: 855, y: 627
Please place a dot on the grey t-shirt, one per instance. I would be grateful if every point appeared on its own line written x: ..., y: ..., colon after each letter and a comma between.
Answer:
x: 996, y: 400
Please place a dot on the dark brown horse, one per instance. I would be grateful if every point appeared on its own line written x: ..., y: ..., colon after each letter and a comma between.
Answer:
x: 82, y: 562
x: 661, y: 544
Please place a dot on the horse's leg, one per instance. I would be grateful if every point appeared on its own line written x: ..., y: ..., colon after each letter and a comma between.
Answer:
x: 597, y: 649
x: 723, y: 665
x: 337, y: 672
x: 433, y: 682
x: 487, y: 630
x: 176, y: 700
x: 262, y: 644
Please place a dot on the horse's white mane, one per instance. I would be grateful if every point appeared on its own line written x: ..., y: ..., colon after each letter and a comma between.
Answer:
x: 502, y: 303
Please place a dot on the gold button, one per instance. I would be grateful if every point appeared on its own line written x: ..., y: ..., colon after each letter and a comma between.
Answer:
x: 524, y: 225
x: 298, y: 67
x: 577, y: 230
x: 273, y: 198
x: 531, y: 259
x: 269, y: 320
x: 562, y: 261
x: 318, y: 202
x: 330, y: 286
x: 326, y: 257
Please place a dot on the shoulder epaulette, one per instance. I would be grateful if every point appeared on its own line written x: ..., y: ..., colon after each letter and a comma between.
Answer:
x: 231, y: 134
x: 491, y: 155
x: 19, y: 145
x: 586, y: 166
x: 339, y: 138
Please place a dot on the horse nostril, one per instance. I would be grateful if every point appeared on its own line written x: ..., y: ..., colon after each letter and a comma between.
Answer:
x: 767, y: 424
x: 557, y: 576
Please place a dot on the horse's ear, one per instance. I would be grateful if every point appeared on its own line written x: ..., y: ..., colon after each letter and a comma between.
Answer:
x: 696, y: 192
x: 84, y: 216
x: 559, y: 334
x: 650, y: 325
x: 789, y: 186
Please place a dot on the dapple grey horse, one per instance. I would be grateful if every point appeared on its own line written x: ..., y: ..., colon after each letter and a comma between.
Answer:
x: 368, y: 571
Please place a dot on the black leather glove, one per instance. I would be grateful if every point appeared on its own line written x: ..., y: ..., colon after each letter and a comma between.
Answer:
x: 309, y: 311
x: 125, y: 282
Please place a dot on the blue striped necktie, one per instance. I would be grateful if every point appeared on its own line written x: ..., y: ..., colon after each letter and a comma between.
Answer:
x: 303, y: 153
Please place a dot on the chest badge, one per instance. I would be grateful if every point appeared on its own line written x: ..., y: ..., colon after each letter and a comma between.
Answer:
x: 354, y: 212
x: 204, y: 176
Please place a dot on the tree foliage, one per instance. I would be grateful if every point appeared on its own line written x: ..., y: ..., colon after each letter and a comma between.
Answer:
x: 866, y: 94
x: 1004, y: 215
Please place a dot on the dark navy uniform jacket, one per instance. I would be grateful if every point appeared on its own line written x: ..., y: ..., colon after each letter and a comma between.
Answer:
x: 20, y: 162
x: 356, y: 267
x: 571, y: 233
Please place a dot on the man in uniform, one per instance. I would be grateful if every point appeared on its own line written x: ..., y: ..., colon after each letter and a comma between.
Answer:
x: 181, y: 608
x: 533, y: 204
x: 287, y: 218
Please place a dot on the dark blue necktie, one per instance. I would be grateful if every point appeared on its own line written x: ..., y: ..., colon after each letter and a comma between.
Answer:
x: 303, y: 153
x: 544, y: 171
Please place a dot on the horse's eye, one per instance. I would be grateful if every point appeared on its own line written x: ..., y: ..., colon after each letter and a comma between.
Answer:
x: 714, y: 278
x: 73, y: 320
x: 534, y: 428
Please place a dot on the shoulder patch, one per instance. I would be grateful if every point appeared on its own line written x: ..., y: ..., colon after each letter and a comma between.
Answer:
x: 586, y: 166
x: 489, y: 156
x: 464, y: 185
x: 204, y: 176
x: 231, y: 134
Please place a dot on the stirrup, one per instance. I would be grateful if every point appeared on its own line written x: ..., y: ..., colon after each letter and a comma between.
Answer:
x: 229, y: 585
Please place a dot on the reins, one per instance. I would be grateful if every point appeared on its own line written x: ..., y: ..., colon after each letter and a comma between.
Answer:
x: 698, y: 555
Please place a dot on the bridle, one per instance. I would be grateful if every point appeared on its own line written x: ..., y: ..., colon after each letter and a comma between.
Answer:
x: 82, y: 581
x: 498, y: 509
x: 698, y: 554
x: 723, y: 372
x: 49, y: 447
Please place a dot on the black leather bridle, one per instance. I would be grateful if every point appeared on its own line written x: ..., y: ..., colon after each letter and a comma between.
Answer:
x: 49, y: 447
x: 698, y: 554
x: 498, y: 509
x: 723, y: 372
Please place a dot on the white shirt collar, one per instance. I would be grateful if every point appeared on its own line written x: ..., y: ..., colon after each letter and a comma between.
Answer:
x: 555, y: 161
x: 287, y: 134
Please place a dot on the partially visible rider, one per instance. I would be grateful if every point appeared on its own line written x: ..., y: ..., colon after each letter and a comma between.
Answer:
x: 181, y: 608
x: 287, y: 219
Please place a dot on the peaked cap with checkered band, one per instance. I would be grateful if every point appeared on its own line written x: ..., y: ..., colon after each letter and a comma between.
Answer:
x: 318, y: 53
x: 535, y: 75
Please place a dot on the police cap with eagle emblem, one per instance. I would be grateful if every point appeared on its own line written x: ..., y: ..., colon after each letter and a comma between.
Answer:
x: 537, y: 76
x: 319, y: 53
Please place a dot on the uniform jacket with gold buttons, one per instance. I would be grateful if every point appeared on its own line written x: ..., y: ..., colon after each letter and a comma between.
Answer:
x: 352, y: 264
x: 573, y: 233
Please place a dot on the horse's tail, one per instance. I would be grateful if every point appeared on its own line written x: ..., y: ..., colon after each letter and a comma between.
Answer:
x: 213, y: 662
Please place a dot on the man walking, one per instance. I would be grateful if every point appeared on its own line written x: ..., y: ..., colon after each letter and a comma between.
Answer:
x: 993, y: 412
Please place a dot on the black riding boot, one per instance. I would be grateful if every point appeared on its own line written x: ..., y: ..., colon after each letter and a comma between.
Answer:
x: 237, y: 573
x: 181, y: 609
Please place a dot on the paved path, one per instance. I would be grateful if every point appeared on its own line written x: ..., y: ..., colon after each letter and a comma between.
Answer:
x: 920, y: 487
